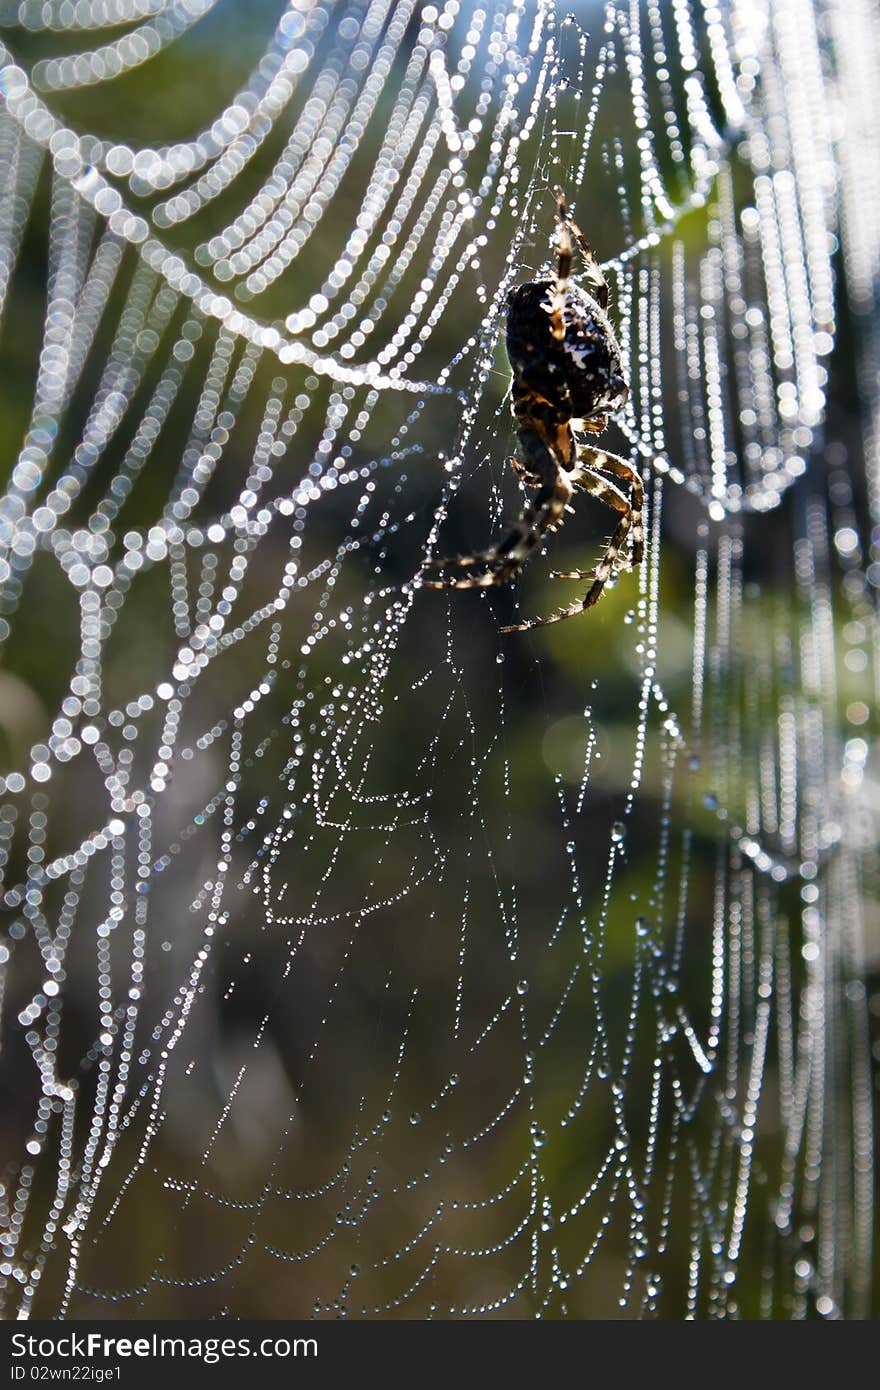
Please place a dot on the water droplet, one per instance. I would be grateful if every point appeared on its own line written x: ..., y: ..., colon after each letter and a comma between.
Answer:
x: 618, y: 832
x: 415, y: 1118
x: 522, y: 986
x: 710, y: 801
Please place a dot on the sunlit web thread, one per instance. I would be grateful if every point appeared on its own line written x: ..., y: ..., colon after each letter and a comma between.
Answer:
x: 138, y: 46
x: 740, y: 464
x: 83, y: 15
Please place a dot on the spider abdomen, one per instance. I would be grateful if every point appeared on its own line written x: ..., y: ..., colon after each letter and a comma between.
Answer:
x: 579, y: 375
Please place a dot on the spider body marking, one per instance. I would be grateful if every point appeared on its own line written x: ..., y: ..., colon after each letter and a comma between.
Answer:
x: 567, y: 376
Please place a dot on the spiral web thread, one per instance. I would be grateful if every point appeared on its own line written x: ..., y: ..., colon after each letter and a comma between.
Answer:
x: 336, y: 978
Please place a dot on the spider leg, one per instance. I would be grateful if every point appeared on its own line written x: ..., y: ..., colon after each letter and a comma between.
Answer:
x: 544, y: 514
x: 478, y: 557
x: 485, y: 557
x: 524, y: 474
x: 619, y: 468
x: 570, y: 612
x: 564, y: 258
x: 590, y: 479
x: 592, y: 270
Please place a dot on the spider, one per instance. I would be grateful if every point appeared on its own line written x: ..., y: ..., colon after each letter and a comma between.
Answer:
x: 567, y: 376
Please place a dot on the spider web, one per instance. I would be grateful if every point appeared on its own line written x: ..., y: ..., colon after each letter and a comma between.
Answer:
x: 360, y: 961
